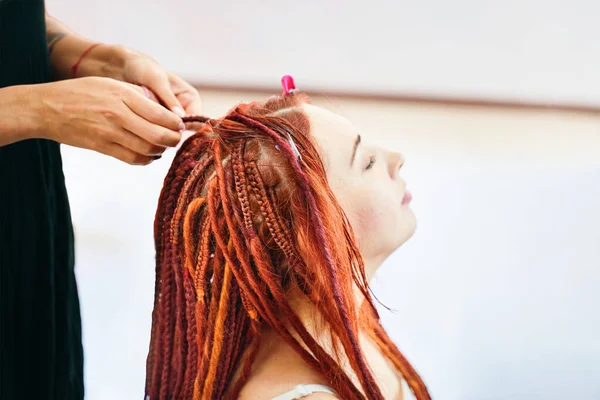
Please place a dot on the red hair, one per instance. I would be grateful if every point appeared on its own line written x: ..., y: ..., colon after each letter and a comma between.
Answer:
x: 241, y: 220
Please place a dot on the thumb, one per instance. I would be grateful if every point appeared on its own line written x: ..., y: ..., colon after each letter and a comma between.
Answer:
x: 162, y: 89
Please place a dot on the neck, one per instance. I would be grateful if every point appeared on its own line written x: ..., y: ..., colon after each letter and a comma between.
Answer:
x: 372, y: 265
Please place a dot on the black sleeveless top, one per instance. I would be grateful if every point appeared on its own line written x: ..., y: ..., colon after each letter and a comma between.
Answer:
x: 41, y: 354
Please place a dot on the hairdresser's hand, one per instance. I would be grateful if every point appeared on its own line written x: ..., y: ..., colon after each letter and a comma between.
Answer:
x: 172, y: 91
x: 104, y: 115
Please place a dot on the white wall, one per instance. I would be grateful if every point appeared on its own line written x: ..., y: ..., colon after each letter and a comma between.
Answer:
x: 495, y: 295
x: 540, y: 50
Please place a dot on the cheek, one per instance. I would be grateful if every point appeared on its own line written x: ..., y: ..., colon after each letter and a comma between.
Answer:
x: 369, y: 218
x: 380, y: 222
x: 359, y: 219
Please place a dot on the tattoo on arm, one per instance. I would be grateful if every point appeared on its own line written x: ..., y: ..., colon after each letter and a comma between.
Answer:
x: 53, y: 38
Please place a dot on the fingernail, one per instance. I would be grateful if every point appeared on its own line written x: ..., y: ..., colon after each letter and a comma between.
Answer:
x: 179, y: 111
x: 147, y: 92
x: 181, y: 127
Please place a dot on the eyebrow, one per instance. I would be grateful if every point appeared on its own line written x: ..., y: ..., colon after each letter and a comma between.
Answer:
x: 356, y: 143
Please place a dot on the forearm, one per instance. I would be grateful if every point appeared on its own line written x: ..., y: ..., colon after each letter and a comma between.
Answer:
x: 66, y: 47
x: 18, y: 118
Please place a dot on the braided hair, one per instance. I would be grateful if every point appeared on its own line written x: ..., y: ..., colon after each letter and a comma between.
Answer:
x: 242, y: 219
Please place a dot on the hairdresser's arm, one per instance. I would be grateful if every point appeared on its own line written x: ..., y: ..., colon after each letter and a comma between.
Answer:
x: 100, y: 114
x: 16, y: 121
x: 118, y: 62
x: 66, y: 47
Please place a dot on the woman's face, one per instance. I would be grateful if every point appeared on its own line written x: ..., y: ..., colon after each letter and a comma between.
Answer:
x: 366, y: 181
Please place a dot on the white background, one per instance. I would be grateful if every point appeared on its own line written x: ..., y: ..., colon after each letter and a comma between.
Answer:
x: 540, y: 50
x: 497, y: 294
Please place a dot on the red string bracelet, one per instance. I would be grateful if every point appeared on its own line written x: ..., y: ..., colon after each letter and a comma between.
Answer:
x: 85, y: 53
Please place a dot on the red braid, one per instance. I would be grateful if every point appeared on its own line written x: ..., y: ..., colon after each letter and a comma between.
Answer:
x: 241, y: 221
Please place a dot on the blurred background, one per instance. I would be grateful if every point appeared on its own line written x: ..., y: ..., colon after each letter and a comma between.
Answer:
x: 497, y: 109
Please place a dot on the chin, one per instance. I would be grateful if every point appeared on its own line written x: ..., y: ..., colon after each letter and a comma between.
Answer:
x: 407, y: 226
x: 404, y: 230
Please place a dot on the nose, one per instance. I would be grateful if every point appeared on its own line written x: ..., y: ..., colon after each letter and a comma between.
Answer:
x: 395, y: 162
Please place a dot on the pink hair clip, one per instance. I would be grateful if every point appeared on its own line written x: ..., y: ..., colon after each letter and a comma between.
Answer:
x: 287, y: 82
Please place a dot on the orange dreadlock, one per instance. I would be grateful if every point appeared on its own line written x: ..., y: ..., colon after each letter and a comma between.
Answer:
x: 240, y: 220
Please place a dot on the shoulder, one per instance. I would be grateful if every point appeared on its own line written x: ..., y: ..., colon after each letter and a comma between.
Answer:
x: 278, y: 369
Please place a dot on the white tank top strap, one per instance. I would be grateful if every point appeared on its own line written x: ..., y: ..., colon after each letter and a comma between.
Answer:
x: 301, y: 391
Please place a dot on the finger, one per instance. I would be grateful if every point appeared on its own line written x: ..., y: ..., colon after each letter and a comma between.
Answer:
x: 192, y: 101
x: 152, y: 112
x: 150, y: 132
x: 145, y: 91
x: 162, y: 87
x: 187, y: 95
x: 149, y: 94
x: 130, y: 157
x: 138, y: 145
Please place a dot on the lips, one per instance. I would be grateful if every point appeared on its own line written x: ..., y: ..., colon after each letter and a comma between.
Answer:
x: 407, y: 198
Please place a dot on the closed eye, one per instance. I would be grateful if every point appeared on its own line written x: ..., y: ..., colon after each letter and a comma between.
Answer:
x: 371, y: 163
